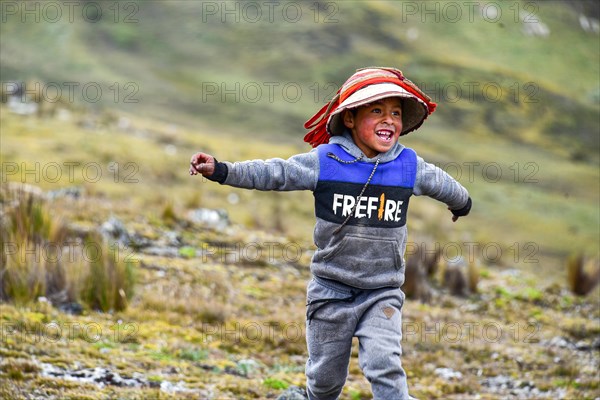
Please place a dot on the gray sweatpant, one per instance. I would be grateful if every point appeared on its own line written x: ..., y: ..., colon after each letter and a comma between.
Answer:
x: 335, y: 314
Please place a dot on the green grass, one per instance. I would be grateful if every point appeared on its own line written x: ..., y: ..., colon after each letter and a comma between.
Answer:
x: 275, y: 383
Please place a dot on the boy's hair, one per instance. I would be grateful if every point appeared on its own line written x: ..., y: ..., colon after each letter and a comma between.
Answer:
x: 354, y: 110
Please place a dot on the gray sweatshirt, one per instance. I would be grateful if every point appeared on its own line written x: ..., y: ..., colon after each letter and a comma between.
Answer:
x: 360, y: 240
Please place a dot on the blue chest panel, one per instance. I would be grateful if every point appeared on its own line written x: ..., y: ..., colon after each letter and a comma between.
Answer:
x: 385, y: 201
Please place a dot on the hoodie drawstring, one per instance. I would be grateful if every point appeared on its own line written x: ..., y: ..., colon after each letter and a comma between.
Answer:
x: 336, y: 158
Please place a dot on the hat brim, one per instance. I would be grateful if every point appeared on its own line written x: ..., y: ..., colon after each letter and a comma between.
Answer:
x: 414, y: 110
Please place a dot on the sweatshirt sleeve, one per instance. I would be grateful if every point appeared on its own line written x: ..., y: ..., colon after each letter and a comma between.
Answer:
x: 299, y: 172
x: 436, y: 183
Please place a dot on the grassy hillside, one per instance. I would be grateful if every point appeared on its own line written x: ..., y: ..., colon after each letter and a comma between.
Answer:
x: 517, y: 124
x: 223, y: 316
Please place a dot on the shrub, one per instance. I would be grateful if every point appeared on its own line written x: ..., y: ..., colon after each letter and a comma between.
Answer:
x: 110, y: 280
x: 30, y: 263
x: 34, y: 263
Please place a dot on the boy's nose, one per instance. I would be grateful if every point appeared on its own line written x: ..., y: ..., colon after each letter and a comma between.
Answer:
x: 387, y: 117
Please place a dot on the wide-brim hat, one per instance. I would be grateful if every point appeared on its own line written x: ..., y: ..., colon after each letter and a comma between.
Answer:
x: 365, y: 86
x: 414, y: 110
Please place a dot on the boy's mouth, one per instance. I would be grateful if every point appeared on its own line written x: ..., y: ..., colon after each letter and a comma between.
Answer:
x: 385, y: 134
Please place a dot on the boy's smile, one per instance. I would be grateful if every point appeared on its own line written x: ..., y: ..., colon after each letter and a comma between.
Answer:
x: 375, y: 127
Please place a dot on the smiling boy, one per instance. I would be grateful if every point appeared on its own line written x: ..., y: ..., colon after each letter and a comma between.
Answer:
x: 362, y: 179
x: 375, y: 127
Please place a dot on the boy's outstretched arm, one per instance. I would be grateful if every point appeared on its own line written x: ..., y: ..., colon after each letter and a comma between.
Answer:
x: 436, y: 183
x: 299, y: 172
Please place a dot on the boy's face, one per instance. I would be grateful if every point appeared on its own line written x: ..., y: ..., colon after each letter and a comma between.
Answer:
x: 375, y: 127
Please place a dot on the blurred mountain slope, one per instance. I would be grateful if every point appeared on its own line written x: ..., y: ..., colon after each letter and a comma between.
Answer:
x: 241, y: 67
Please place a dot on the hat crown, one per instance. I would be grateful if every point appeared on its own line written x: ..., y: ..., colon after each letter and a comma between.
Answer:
x: 368, y: 74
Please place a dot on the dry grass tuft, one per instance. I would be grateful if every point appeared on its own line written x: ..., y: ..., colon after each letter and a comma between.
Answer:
x: 31, y: 238
x: 110, y: 279
x: 39, y: 259
x: 582, y: 276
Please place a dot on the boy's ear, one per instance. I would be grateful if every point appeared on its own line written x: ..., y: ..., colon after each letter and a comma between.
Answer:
x: 348, y: 119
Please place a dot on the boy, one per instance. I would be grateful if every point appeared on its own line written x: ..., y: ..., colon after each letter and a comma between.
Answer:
x: 361, y: 181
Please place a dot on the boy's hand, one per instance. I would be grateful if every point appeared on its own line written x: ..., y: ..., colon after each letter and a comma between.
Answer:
x: 202, y: 163
x: 461, y: 212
